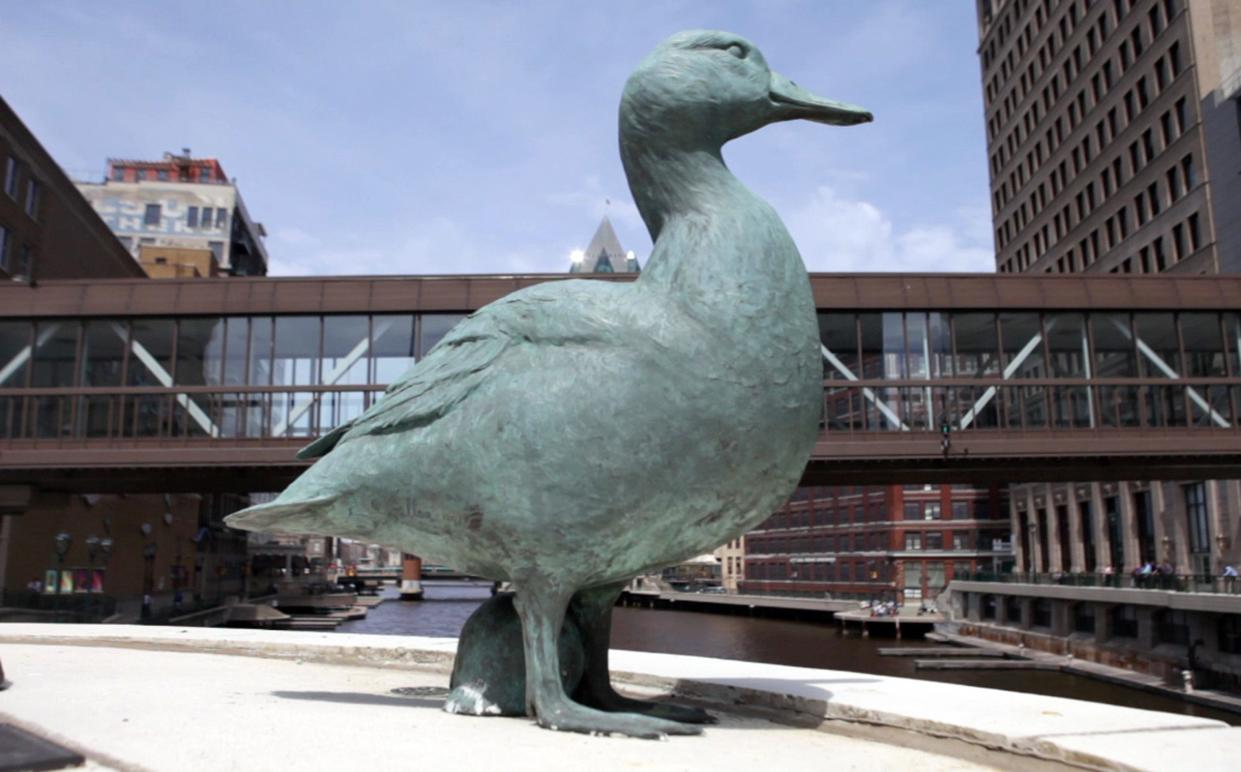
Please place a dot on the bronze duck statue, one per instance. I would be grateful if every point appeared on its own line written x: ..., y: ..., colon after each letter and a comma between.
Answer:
x: 489, y: 456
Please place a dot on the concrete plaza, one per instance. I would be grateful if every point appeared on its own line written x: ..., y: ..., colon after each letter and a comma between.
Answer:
x: 192, y: 698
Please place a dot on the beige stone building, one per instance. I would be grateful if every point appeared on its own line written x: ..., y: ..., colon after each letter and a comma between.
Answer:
x: 732, y: 563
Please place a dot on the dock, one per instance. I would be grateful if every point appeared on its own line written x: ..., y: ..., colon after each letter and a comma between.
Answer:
x: 940, y: 652
x: 733, y: 603
x: 896, y: 625
x: 993, y: 663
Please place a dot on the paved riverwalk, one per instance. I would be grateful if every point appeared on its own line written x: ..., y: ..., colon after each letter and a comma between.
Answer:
x: 193, y: 698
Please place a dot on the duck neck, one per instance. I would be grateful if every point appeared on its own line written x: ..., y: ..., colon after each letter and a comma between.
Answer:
x: 711, y: 234
x: 670, y: 181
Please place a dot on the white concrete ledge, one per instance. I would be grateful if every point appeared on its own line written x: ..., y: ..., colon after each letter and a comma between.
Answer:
x: 1069, y: 731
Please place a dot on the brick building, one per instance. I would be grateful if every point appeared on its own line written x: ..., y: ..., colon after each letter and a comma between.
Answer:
x: 877, y: 542
x: 86, y: 550
x: 47, y: 230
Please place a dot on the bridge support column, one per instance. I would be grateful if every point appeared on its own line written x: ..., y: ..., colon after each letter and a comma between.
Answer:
x: 411, y: 577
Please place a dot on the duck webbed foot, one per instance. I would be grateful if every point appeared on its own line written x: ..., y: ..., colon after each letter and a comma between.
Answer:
x: 542, y: 612
x: 592, y: 609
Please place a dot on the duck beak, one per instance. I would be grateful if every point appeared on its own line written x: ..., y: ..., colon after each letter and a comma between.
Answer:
x: 793, y: 102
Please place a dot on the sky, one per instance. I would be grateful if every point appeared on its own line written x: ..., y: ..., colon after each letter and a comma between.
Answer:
x: 416, y: 137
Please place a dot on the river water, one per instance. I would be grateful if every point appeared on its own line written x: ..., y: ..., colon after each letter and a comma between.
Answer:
x: 777, y: 641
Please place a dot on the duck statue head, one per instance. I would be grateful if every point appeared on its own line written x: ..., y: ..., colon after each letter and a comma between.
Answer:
x: 700, y: 89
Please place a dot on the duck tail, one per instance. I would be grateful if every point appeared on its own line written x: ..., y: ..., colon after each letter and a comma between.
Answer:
x: 323, y: 445
x: 295, y: 516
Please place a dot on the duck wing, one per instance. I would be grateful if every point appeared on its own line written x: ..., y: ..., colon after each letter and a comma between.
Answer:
x: 549, y: 314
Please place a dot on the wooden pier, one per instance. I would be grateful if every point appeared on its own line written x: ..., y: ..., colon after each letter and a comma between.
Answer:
x: 896, y: 625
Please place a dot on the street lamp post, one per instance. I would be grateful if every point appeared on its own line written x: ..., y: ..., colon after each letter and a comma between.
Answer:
x: 92, y: 549
x: 63, y: 541
x: 148, y: 579
x: 105, y: 550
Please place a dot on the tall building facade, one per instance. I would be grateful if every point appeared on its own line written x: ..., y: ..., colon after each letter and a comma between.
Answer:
x: 180, y: 209
x: 1112, y: 134
x: 1114, y: 144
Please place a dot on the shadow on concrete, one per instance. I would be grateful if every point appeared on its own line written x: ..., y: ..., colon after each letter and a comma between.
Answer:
x: 363, y: 698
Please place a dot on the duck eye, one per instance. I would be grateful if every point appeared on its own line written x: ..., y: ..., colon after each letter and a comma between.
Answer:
x: 736, y: 50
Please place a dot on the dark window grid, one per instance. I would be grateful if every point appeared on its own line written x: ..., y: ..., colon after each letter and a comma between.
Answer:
x: 33, y: 197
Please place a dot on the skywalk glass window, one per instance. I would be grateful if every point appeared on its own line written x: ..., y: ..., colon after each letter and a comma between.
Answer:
x: 883, y: 345
x: 14, y: 340
x: 199, y: 344
x: 296, y: 357
x: 191, y: 217
x: 838, y: 334
x: 103, y: 353
x: 54, y: 353
x: 150, y: 352
x: 394, y: 347
x: 976, y: 345
x: 152, y: 214
x: 434, y: 328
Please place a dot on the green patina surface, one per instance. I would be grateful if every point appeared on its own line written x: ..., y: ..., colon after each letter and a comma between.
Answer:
x: 496, y: 455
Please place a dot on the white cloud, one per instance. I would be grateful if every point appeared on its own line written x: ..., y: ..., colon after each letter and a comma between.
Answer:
x: 294, y: 237
x: 837, y: 233
x: 834, y: 232
x: 434, y: 246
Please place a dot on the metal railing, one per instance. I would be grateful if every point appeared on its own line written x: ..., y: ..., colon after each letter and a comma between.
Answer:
x: 186, y: 412
x: 307, y: 411
x: 1035, y: 404
x: 1166, y: 582
x: 61, y: 607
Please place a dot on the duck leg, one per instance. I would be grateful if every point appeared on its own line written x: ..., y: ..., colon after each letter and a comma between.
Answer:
x: 592, y: 608
x: 541, y: 607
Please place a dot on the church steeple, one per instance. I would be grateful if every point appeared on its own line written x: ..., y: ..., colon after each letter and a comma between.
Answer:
x: 605, y: 254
